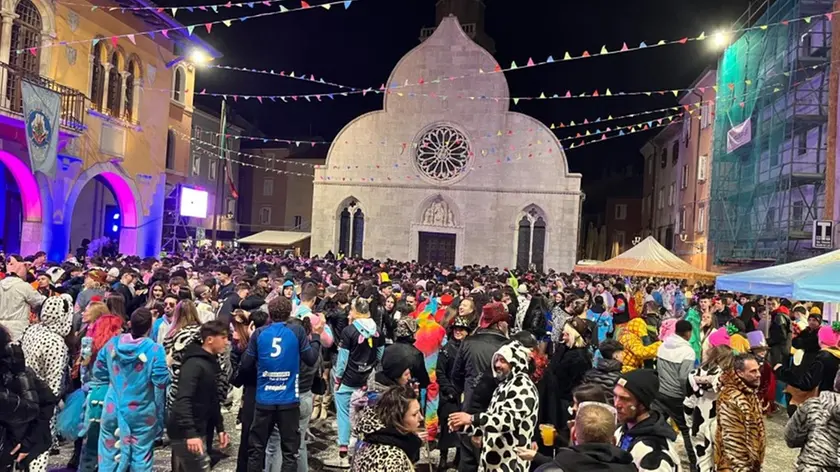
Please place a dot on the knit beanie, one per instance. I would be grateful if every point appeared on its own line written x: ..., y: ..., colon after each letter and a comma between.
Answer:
x: 829, y: 336
x: 642, y: 383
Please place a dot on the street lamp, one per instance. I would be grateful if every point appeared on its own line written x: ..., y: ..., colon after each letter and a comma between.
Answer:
x: 199, y: 57
x: 637, y: 240
x: 720, y: 40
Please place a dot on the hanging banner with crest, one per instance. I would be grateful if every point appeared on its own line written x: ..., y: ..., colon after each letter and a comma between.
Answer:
x: 41, y: 113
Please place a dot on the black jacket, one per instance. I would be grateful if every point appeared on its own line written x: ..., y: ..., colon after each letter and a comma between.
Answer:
x: 565, y: 372
x: 590, y: 457
x: 445, y: 364
x: 28, y: 405
x: 197, y: 405
x: 412, y: 357
x: 474, y: 361
x: 534, y: 321
x: 605, y: 373
x: 820, y: 373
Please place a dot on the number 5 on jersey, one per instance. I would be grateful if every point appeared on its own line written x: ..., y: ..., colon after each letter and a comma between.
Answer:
x: 276, y: 348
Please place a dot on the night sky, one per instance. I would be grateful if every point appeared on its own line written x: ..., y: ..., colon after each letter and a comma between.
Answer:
x: 360, y: 46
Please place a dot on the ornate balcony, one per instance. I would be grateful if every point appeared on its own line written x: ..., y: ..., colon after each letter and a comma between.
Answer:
x: 11, y: 100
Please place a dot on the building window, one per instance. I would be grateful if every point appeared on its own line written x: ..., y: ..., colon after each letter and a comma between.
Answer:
x: 130, y: 81
x: 770, y: 219
x: 97, y: 76
x: 26, y: 34
x: 707, y: 114
x: 675, y: 152
x: 621, y: 211
x: 196, y: 164
x: 114, y: 86
x: 212, y: 168
x: 802, y: 142
x: 684, y: 177
x: 660, y: 203
x: 170, y: 150
x: 268, y: 187
x: 663, y: 161
x: 178, y: 84
x: 671, y: 194
x: 530, y: 249
x: 701, y: 218
x: 798, y: 214
x: 230, y: 207
x: 351, y: 230
x: 298, y: 221
x: 265, y: 216
x: 702, y: 165
x: 682, y: 220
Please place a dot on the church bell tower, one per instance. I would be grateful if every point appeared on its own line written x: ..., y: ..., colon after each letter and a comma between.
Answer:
x: 470, y: 14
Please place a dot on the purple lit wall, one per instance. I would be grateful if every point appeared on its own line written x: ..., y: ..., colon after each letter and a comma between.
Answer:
x: 30, y: 194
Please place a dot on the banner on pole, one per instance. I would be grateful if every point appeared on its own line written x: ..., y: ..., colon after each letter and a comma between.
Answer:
x: 739, y: 135
x: 41, y: 112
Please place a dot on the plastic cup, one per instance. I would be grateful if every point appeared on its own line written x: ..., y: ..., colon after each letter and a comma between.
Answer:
x: 547, y: 432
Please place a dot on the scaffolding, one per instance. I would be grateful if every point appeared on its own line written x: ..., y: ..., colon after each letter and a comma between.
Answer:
x: 766, y: 193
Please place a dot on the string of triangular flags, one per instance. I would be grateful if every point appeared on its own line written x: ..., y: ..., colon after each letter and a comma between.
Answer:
x: 568, y: 57
x: 214, y: 7
x: 290, y: 75
x: 208, y: 26
x: 690, y: 108
x: 619, y: 130
x: 320, y: 97
x: 201, y: 146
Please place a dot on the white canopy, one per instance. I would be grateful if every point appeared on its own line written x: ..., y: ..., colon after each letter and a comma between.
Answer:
x: 275, y: 238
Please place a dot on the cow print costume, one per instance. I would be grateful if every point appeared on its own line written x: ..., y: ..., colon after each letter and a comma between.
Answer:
x: 511, y: 419
x: 700, y: 407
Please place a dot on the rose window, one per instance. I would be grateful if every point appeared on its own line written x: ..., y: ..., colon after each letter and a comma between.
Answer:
x: 443, y: 153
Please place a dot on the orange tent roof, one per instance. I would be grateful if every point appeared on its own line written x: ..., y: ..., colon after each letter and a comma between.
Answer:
x: 647, y: 259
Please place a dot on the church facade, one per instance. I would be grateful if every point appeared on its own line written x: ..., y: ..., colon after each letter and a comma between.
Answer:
x: 446, y: 173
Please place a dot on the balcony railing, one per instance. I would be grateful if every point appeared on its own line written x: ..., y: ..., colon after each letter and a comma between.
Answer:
x: 72, y: 100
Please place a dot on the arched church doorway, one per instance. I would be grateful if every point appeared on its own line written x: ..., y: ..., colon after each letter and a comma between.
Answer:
x: 104, y: 215
x: 20, y: 205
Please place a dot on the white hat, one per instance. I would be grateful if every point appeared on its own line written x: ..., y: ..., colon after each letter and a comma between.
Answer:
x: 523, y: 289
x: 114, y: 273
x: 55, y: 273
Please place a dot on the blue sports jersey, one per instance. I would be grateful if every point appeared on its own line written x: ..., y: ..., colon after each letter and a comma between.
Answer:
x: 277, y: 353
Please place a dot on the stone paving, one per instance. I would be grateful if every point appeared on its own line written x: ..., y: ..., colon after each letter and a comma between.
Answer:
x: 321, y: 444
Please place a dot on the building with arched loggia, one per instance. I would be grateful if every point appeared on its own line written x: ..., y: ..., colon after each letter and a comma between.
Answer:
x: 445, y: 172
x: 121, y: 97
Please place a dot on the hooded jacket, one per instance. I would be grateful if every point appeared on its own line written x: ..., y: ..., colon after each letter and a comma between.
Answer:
x: 675, y: 360
x: 43, y: 343
x: 591, y: 458
x: 17, y: 299
x: 411, y: 357
x: 474, y: 360
x: 605, y: 373
x: 740, y: 437
x: 635, y: 351
x: 651, y: 443
x: 815, y: 427
x: 196, y: 405
x: 383, y: 449
x: 779, y: 336
x: 360, y: 347
x: 511, y: 419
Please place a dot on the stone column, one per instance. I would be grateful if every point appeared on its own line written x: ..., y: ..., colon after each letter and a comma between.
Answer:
x: 103, y: 107
x: 5, y: 49
x: 121, y: 105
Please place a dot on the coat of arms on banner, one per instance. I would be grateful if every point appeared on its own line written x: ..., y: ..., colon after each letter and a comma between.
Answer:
x: 41, y: 112
x: 73, y: 21
x: 70, y: 53
x: 38, y: 128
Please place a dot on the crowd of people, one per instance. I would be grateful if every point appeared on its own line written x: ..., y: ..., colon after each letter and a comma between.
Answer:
x: 498, y: 370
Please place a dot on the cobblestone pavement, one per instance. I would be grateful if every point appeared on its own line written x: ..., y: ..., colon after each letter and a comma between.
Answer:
x: 321, y: 446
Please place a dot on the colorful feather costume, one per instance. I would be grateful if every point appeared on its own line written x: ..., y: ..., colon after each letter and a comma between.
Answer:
x: 430, y: 337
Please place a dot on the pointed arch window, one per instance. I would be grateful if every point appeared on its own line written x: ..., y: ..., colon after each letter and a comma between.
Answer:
x: 129, y: 90
x: 531, y: 234
x: 97, y: 74
x: 114, y: 86
x: 351, y: 230
x: 178, y: 81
